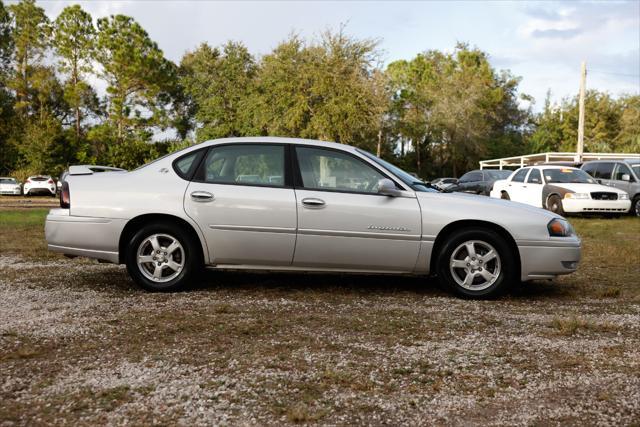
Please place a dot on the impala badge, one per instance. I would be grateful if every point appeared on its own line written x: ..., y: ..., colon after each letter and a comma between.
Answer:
x: 383, y: 228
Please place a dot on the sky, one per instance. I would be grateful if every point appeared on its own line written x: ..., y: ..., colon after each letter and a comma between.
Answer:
x: 543, y: 42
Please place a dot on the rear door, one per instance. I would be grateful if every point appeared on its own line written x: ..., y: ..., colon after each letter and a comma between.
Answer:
x: 516, y: 187
x: 532, y: 189
x: 342, y: 220
x: 245, y: 205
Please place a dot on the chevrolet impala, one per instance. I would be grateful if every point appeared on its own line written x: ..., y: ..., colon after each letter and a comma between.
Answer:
x: 301, y: 205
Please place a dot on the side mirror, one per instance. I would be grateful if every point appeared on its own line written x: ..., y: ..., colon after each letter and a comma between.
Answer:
x: 626, y: 177
x: 388, y: 188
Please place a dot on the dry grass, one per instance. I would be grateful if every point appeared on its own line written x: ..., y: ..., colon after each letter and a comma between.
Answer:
x: 80, y: 344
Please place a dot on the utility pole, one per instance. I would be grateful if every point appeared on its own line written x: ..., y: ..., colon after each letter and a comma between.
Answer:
x: 583, y: 79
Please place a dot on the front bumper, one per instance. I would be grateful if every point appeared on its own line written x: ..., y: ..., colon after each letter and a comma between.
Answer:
x: 83, y: 236
x: 548, y: 259
x: 11, y: 192
x: 595, y: 206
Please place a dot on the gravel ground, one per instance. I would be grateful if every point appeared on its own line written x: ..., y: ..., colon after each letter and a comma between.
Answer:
x: 81, y: 345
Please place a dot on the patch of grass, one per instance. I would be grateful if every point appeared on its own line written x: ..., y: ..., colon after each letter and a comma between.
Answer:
x: 22, y: 232
x: 573, y: 324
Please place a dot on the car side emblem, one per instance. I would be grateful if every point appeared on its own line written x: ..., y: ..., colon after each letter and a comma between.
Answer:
x: 384, y: 228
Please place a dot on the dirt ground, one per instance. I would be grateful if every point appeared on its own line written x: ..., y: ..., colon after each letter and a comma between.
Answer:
x: 81, y: 345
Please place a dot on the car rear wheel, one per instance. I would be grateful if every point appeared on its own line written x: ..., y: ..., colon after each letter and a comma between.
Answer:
x: 554, y: 204
x: 505, y: 196
x: 476, y: 263
x: 162, y: 257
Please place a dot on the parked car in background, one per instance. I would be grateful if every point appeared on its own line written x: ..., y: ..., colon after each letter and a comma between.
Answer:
x: 479, y: 181
x: 621, y: 174
x: 444, y: 183
x: 561, y: 190
x: 309, y: 206
x: 10, y: 186
x: 39, y: 184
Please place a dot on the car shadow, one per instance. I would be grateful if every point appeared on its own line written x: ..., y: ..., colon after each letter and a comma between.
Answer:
x: 285, y: 282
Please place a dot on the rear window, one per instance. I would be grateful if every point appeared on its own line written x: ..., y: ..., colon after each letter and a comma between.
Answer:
x: 7, y: 181
x: 40, y: 178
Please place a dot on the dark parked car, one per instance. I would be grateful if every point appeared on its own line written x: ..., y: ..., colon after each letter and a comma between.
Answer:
x: 479, y: 181
x: 621, y: 174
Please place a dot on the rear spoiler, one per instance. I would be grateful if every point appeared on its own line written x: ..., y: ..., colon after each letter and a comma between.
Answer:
x: 91, y: 169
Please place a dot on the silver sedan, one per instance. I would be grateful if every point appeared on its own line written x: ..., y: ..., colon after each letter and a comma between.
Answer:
x: 301, y: 205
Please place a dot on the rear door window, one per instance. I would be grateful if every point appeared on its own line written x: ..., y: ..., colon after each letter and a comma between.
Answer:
x: 534, y: 177
x: 471, y: 177
x: 520, y: 175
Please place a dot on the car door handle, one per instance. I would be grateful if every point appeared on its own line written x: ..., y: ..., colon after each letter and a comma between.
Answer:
x: 201, y: 196
x: 311, y: 202
x: 524, y: 186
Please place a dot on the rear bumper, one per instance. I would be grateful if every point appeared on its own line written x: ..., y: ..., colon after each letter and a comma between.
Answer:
x: 594, y: 206
x: 40, y: 190
x: 83, y: 236
x: 548, y: 259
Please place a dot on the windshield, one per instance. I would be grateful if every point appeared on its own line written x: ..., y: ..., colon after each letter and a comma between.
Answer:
x: 7, y: 181
x: 405, y: 177
x: 567, y: 176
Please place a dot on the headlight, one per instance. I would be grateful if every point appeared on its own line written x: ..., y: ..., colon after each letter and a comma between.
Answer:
x: 560, y: 228
x: 576, y: 196
x: 623, y: 196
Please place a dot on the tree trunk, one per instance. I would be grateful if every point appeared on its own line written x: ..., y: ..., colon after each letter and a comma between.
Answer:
x: 379, y: 148
x: 418, y: 156
x: 77, y: 106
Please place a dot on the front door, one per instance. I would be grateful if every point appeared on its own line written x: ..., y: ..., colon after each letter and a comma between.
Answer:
x: 342, y: 220
x: 243, y: 205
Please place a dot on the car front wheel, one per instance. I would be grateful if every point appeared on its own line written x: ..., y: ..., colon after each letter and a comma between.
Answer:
x: 162, y: 257
x: 554, y: 204
x: 476, y: 263
x: 635, y: 206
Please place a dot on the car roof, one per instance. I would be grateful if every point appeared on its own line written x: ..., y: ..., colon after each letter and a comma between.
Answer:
x: 277, y: 140
x: 550, y: 167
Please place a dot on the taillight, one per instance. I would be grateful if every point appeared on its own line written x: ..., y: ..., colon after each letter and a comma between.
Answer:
x: 50, y: 181
x: 65, y: 196
x: 29, y: 181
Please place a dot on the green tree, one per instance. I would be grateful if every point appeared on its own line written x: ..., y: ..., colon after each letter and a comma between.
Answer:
x: 31, y: 36
x: 219, y: 83
x: 139, y: 77
x: 329, y: 90
x: 74, y: 42
x: 455, y: 108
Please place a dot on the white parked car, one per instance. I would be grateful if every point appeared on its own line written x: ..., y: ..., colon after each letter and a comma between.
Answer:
x: 301, y: 205
x: 561, y: 189
x: 39, y: 184
x: 10, y: 186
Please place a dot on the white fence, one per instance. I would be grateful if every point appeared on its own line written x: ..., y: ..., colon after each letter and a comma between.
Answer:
x: 533, y: 159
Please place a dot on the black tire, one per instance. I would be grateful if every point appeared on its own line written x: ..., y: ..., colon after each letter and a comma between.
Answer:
x: 506, y: 275
x: 505, y: 196
x: 190, y: 250
x: 635, y: 206
x: 554, y: 204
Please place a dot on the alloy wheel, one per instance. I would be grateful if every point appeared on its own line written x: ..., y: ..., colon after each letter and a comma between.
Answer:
x: 475, y: 265
x: 160, y: 258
